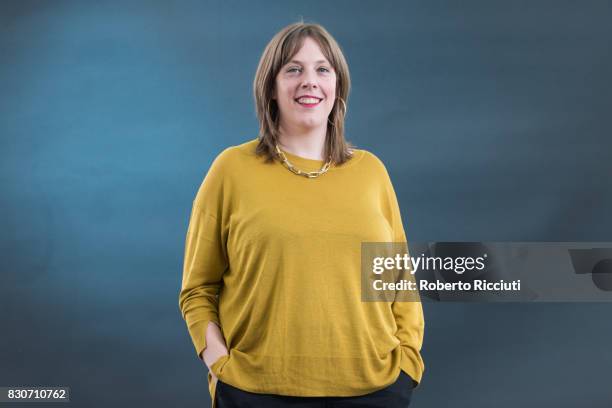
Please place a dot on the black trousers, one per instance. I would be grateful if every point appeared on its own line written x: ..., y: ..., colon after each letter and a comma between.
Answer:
x: 396, y: 395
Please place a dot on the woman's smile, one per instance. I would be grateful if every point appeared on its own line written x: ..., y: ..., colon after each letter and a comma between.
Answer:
x: 308, y: 101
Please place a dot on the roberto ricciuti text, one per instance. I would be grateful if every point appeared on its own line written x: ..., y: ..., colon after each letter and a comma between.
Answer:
x: 475, y: 285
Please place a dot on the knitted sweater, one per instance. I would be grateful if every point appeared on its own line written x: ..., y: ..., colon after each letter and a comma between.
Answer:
x: 274, y: 259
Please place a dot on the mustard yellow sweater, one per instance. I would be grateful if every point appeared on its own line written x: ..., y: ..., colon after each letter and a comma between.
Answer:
x: 274, y: 259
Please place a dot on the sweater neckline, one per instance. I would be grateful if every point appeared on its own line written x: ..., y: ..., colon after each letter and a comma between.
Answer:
x: 302, y: 162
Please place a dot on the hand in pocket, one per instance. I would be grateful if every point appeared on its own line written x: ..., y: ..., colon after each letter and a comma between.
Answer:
x: 215, y: 347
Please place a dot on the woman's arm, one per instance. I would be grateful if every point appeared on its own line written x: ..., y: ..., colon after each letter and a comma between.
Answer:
x: 205, y: 263
x: 408, y: 312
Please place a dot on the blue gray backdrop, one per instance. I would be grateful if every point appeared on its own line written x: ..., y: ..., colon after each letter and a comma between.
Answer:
x: 493, y: 118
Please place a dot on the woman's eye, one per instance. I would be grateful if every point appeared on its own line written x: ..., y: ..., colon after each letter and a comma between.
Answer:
x: 297, y: 69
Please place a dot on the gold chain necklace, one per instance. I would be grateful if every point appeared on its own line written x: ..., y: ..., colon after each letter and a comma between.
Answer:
x: 309, y: 174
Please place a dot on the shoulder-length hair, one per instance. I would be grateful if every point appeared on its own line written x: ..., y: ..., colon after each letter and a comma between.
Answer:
x: 279, y: 51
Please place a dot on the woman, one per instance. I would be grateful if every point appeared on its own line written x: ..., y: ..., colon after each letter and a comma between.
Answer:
x: 271, y: 282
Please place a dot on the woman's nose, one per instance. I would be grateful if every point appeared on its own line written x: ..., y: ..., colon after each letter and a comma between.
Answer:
x: 309, y: 80
x: 309, y: 84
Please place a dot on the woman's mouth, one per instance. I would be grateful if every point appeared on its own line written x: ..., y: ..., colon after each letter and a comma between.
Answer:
x: 308, y: 101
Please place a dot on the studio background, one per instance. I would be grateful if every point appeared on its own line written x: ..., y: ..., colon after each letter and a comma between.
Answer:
x: 491, y: 117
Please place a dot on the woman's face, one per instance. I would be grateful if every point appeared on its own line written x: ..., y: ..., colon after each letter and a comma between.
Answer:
x: 305, y: 89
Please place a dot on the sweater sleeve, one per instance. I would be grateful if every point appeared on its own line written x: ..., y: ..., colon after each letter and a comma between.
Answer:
x: 409, y: 312
x: 205, y: 259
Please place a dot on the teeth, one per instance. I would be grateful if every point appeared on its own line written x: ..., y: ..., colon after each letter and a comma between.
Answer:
x: 308, y: 100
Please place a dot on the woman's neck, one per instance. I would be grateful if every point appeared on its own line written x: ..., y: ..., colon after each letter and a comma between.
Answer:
x: 309, y: 144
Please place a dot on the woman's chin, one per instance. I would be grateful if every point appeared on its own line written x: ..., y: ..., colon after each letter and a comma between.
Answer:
x: 311, y: 124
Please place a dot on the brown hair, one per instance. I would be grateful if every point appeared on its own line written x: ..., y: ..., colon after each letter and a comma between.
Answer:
x: 279, y: 51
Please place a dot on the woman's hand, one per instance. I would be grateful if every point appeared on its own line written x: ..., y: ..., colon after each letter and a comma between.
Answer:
x: 215, y: 346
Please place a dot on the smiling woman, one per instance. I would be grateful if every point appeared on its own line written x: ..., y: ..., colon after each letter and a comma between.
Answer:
x: 301, y: 88
x: 305, y: 90
x: 271, y: 289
